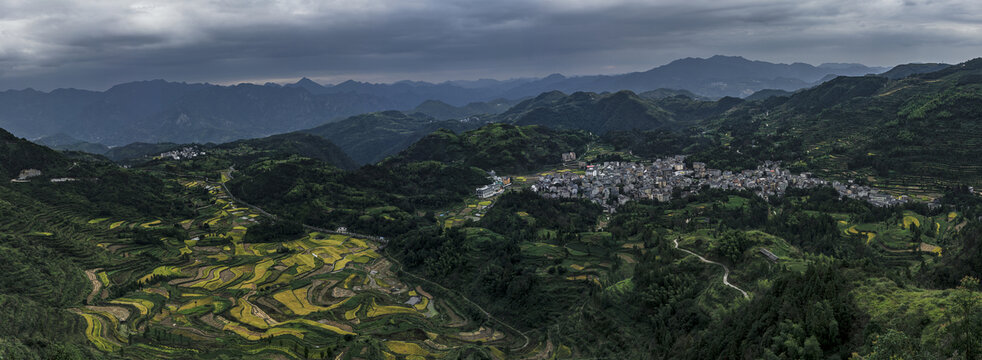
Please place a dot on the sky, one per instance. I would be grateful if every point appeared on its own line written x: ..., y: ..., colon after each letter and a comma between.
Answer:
x: 47, y: 44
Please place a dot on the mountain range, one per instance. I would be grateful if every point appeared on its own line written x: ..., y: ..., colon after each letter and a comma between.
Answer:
x: 214, y: 255
x: 161, y: 111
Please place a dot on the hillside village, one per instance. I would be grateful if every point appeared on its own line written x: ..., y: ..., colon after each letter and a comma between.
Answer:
x: 614, y: 183
x: 187, y: 152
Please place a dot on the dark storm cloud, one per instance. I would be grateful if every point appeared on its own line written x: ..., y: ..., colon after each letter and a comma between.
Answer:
x: 47, y: 44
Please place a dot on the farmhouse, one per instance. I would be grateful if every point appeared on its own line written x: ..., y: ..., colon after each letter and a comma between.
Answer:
x: 498, y: 184
x: 487, y: 191
x: 770, y: 256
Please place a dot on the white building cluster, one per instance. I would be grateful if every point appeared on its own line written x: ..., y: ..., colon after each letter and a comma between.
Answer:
x: 497, y: 186
x: 614, y: 183
x: 187, y: 152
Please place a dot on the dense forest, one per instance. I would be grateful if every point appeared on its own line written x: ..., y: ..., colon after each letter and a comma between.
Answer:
x: 501, y: 147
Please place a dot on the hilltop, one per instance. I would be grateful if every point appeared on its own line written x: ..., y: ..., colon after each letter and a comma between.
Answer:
x: 501, y: 147
x: 369, y: 138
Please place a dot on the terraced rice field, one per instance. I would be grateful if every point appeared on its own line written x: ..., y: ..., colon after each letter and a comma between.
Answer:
x: 910, y: 220
x: 312, y: 297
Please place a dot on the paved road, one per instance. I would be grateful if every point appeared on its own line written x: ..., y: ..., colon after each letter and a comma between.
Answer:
x: 726, y: 270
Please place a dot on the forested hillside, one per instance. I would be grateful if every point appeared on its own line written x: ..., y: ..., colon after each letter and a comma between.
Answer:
x: 46, y: 242
x: 370, y: 138
x: 920, y: 132
x: 501, y: 147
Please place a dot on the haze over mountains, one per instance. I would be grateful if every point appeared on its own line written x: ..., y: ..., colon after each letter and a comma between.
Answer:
x: 161, y: 111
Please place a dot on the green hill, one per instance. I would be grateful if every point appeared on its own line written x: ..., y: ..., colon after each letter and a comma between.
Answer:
x: 766, y: 93
x: 905, y: 70
x: 665, y: 93
x: 918, y: 132
x: 443, y: 111
x: 369, y: 138
x: 591, y: 112
x: 18, y: 154
x: 137, y: 150
x: 46, y: 240
x: 279, y: 146
x: 501, y: 147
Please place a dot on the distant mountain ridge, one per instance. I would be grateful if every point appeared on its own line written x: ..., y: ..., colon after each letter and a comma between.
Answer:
x: 369, y: 138
x: 161, y: 111
x: 717, y: 76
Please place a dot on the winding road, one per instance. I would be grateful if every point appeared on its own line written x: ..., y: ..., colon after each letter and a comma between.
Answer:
x: 726, y: 270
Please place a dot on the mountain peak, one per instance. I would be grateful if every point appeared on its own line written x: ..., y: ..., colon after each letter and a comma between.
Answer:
x: 727, y: 57
x: 305, y: 82
x: 350, y: 83
x: 554, y: 77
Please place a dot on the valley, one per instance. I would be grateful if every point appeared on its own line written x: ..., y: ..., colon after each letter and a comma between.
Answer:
x: 685, y: 229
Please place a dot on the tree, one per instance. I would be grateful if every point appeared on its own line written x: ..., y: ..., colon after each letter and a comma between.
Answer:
x: 892, y: 345
x: 965, y: 331
x: 812, y: 349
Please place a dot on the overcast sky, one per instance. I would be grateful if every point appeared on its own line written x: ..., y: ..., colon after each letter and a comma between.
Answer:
x: 47, y: 44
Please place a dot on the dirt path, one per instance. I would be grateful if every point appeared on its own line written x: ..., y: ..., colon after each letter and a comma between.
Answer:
x: 726, y: 270
x: 121, y: 313
x: 96, y: 284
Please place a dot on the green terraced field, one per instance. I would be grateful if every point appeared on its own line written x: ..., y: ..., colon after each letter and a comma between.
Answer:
x: 313, y: 297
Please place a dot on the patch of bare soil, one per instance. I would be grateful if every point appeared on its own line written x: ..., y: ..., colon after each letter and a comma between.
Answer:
x: 202, y: 279
x: 484, y: 334
x: 627, y: 258
x: 341, y: 326
x: 226, y: 275
x: 119, y: 312
x: 211, y: 321
x: 321, y: 290
x: 260, y: 313
x: 455, y: 320
x: 322, y: 270
x: 96, y: 284
x: 928, y: 247
x: 342, y: 293
x: 207, y: 249
x: 158, y: 291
